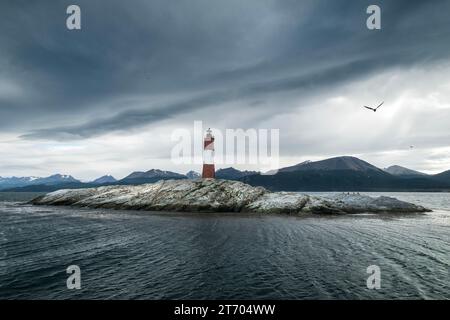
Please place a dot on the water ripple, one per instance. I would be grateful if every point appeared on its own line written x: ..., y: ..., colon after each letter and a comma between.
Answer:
x: 137, y: 255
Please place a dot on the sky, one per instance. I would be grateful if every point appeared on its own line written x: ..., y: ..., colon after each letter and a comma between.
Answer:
x: 106, y: 99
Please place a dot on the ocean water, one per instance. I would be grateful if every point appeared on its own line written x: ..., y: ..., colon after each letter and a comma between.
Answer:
x: 143, y: 255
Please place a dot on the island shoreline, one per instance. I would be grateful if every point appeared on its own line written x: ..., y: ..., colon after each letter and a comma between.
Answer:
x: 221, y: 196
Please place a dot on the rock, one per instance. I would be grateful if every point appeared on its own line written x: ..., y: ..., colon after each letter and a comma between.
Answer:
x: 215, y: 195
x: 279, y: 202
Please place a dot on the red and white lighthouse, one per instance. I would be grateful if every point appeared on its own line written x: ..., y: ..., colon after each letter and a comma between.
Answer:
x: 208, y: 156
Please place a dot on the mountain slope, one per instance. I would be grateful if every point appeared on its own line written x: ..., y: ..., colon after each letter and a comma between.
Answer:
x: 18, y: 182
x: 104, y: 179
x: 56, y: 179
x: 342, y: 174
x: 150, y: 176
x: 443, y: 176
x: 233, y: 174
x: 193, y: 175
x: 337, y: 163
x: 13, y: 182
x: 51, y: 187
x: 403, y: 172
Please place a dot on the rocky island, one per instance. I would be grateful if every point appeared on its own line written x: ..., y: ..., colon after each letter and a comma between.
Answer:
x: 215, y: 195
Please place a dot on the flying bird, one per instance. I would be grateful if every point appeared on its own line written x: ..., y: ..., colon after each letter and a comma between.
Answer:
x: 374, y: 109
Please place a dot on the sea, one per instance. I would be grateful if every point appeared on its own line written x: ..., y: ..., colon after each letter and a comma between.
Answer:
x: 154, y: 255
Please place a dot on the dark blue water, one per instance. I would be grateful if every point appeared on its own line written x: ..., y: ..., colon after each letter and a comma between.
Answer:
x: 137, y: 255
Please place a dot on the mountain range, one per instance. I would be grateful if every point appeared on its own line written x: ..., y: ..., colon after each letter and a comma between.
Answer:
x: 334, y: 174
x: 17, y: 182
x: 348, y: 174
x: 58, y: 181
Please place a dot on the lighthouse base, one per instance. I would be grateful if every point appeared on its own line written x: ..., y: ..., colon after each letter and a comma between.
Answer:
x: 208, y: 171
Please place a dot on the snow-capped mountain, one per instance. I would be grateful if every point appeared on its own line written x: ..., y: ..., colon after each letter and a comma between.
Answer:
x: 17, y: 182
x: 193, y: 175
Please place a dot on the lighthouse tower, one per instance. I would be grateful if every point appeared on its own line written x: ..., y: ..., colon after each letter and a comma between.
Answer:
x: 208, y: 156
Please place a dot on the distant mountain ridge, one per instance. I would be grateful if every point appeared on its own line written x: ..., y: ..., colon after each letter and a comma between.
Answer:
x: 443, y: 176
x: 347, y: 174
x: 402, y: 171
x: 150, y: 176
x: 104, y: 179
x: 17, y: 182
x: 56, y: 178
x: 193, y: 175
x: 233, y: 174
x: 335, y: 174
x: 336, y: 163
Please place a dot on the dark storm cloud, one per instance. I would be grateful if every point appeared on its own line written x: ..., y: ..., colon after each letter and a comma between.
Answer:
x: 71, y: 82
x: 135, y: 118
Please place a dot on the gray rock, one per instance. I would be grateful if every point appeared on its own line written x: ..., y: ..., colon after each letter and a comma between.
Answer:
x: 215, y: 195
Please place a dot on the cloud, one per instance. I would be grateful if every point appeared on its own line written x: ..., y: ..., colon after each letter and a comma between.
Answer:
x: 139, y: 117
x: 305, y: 84
x: 137, y: 66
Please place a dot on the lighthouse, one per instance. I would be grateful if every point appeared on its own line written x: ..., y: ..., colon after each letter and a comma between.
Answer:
x: 208, y: 156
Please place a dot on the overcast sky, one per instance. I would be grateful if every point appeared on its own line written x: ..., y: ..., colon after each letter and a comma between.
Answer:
x: 105, y: 99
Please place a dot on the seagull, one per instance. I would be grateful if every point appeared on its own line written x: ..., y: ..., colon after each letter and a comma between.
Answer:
x: 374, y: 109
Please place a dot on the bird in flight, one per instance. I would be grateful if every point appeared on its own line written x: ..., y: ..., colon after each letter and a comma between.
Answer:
x: 374, y: 109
